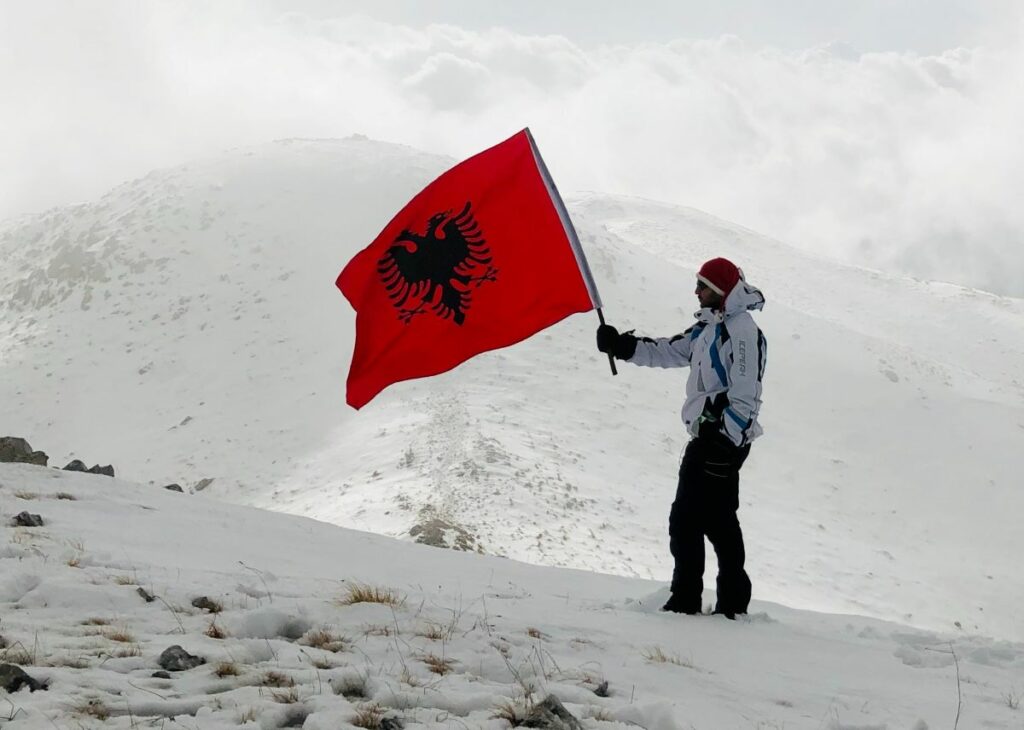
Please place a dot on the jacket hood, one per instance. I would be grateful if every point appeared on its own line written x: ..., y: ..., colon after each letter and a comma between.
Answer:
x: 742, y: 298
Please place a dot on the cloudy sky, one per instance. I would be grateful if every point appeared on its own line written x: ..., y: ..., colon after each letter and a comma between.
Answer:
x: 883, y: 132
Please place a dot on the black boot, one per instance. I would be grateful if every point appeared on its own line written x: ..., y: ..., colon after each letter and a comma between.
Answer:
x: 677, y: 605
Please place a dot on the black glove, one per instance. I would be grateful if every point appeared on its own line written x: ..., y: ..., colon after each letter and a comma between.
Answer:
x: 610, y: 341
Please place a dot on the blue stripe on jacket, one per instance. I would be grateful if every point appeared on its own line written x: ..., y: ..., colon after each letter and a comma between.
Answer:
x: 716, y: 360
x: 735, y: 416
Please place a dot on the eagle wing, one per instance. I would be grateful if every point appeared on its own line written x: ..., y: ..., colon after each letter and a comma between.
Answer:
x: 464, y: 246
x: 404, y: 274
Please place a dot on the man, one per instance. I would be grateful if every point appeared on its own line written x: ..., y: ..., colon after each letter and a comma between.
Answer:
x: 726, y: 352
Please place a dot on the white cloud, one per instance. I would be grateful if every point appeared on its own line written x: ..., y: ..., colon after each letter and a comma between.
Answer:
x: 450, y: 82
x: 888, y: 159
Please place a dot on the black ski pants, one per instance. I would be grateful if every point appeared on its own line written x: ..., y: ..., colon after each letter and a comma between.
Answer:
x: 706, y: 503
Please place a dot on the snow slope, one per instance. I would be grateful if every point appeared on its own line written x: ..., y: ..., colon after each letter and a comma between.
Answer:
x: 186, y: 326
x: 470, y: 636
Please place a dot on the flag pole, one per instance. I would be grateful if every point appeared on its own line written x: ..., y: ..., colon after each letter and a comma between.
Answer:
x: 570, y: 232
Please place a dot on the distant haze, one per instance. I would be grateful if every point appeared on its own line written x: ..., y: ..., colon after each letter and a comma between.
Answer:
x: 885, y: 134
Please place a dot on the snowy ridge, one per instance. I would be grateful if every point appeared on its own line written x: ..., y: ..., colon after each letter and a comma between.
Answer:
x: 186, y: 327
x: 468, y: 640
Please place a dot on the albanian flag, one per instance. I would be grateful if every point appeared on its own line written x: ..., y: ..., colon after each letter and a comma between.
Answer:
x: 482, y: 258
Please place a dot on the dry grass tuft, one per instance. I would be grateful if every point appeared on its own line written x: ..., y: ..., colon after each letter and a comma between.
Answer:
x: 249, y: 715
x: 96, y: 621
x: 16, y: 653
x: 326, y: 640
x: 226, y: 669
x: 378, y: 630
x: 438, y: 665
x: 369, y: 716
x: 511, y: 712
x: 407, y: 677
x: 534, y: 633
x: 286, y: 696
x: 26, y: 495
x: 276, y: 679
x: 65, y: 495
x: 75, y: 562
x: 95, y: 709
x: 658, y: 656
x: 214, y: 631
x: 432, y: 631
x: 124, y: 580
x: 351, y: 688
x: 130, y: 651
x: 359, y: 593
x: 121, y: 635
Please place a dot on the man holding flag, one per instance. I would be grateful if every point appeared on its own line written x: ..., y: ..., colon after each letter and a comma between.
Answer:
x: 486, y: 256
x: 726, y: 353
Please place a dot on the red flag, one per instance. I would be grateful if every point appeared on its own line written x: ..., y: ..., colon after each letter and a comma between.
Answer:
x: 482, y: 258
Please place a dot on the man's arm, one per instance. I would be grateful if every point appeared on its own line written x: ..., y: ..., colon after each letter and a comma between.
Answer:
x: 749, y: 352
x: 665, y: 352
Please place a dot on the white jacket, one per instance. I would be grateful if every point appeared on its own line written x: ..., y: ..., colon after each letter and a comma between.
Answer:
x: 726, y: 352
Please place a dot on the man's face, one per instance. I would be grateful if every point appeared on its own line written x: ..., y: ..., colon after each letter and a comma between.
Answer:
x: 708, y: 297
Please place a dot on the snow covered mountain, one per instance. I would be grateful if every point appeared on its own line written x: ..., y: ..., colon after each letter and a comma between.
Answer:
x: 186, y: 327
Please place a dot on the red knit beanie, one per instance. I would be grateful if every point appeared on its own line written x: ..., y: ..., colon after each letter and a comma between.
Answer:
x: 721, y: 275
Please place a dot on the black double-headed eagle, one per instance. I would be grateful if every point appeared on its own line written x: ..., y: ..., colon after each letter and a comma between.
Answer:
x: 436, y: 270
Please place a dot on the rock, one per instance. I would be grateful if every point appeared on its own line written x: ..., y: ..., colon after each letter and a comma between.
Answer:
x: 161, y: 675
x: 551, y: 713
x: 206, y: 604
x: 13, y: 678
x: 14, y: 450
x: 202, y: 484
x: 79, y: 465
x: 391, y: 723
x: 38, y: 458
x: 174, y: 488
x: 24, y: 519
x: 146, y: 595
x: 438, y: 530
x: 602, y: 689
x: 176, y: 659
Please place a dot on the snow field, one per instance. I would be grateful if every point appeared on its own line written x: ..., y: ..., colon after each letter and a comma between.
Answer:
x: 460, y: 638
